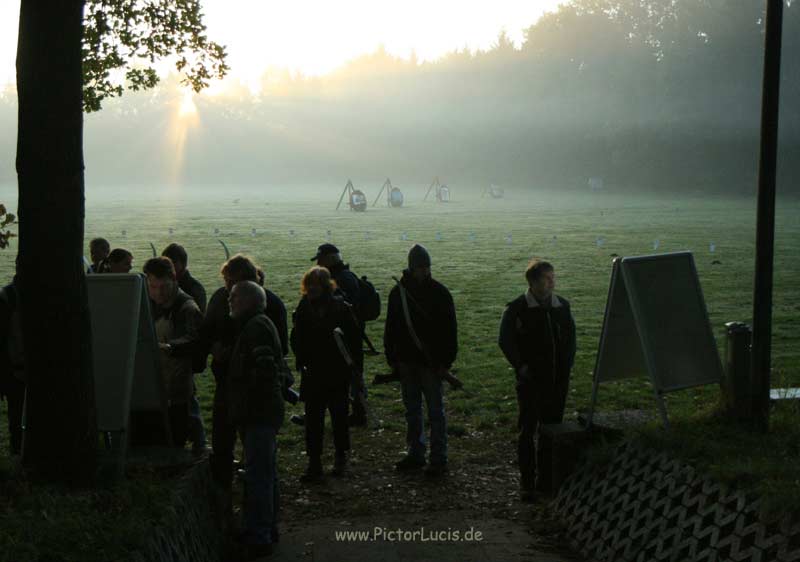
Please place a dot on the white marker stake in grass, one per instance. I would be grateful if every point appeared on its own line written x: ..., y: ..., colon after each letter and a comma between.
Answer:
x: 216, y: 231
x: 404, y: 236
x: 656, y: 243
x: 328, y: 236
x: 124, y: 233
x: 712, y: 247
x: 291, y: 233
x: 472, y: 237
x: 171, y: 230
x: 253, y: 232
x: 438, y: 236
x: 509, y: 239
x: 600, y: 241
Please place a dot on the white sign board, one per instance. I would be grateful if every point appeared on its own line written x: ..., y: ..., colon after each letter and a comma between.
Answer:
x: 124, y: 350
x: 656, y: 324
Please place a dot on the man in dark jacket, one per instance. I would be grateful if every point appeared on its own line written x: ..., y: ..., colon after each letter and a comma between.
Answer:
x: 99, y: 248
x: 218, y: 334
x: 537, y: 336
x: 325, y: 359
x: 193, y: 288
x: 12, y: 364
x: 177, y: 321
x: 347, y: 286
x: 256, y: 409
x: 421, y: 342
x: 187, y: 283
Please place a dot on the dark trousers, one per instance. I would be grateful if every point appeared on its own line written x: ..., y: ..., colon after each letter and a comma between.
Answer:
x: 146, y: 428
x: 197, y: 432
x: 15, y: 399
x: 179, y: 423
x: 261, y: 494
x: 223, y: 437
x: 540, y: 402
x: 335, y: 401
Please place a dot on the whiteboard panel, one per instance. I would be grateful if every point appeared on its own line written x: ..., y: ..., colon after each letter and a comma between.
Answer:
x: 114, y: 305
x: 670, y: 312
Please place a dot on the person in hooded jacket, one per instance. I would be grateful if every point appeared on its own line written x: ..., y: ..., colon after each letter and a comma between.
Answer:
x: 420, y: 344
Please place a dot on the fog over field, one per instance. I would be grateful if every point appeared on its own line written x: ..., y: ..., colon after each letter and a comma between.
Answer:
x: 660, y: 100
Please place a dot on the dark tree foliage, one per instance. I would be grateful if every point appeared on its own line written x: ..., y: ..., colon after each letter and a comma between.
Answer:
x: 128, y: 37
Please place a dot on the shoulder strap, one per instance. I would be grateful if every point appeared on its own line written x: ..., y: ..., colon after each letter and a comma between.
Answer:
x: 409, y: 322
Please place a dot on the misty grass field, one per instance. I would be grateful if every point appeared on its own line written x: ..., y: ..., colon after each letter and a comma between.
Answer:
x: 479, y: 248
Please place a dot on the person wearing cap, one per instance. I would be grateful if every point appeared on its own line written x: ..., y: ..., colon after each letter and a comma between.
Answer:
x: 329, y: 257
x: 537, y: 336
x: 347, y: 286
x: 421, y: 343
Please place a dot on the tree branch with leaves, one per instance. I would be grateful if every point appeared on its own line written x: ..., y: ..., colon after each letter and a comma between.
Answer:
x: 6, y: 219
x: 124, y: 40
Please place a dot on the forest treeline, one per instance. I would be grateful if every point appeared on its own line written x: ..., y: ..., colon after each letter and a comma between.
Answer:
x: 650, y: 95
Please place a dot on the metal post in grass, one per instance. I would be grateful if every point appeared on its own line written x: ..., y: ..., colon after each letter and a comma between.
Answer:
x: 765, y: 221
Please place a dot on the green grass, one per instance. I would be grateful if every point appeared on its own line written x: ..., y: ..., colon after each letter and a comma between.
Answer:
x: 484, y: 274
x: 735, y: 455
x: 50, y: 523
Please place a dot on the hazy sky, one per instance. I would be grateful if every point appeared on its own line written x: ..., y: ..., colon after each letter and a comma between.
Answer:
x: 315, y: 36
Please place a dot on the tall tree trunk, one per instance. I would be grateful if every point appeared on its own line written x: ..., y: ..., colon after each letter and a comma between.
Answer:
x: 60, y: 443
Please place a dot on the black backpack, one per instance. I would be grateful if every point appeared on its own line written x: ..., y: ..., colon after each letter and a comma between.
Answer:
x: 369, y: 300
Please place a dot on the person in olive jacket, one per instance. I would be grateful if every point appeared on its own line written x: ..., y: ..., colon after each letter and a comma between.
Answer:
x: 326, y: 364
x: 255, y: 397
x: 537, y: 336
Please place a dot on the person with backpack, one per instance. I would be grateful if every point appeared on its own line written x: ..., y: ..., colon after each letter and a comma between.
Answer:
x: 421, y: 343
x: 12, y: 364
x: 177, y: 321
x: 366, y: 305
x: 537, y: 336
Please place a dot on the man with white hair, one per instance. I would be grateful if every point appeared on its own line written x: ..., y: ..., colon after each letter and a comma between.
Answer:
x: 257, y: 371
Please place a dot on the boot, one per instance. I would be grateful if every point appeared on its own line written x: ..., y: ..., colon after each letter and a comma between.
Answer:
x: 340, y: 463
x: 314, y: 471
x: 409, y: 463
x: 359, y: 416
x: 527, y: 488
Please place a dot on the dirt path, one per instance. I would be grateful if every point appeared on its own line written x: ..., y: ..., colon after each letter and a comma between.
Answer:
x: 480, y: 494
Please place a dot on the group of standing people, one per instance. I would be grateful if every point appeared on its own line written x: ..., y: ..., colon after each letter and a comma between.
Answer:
x: 244, y: 329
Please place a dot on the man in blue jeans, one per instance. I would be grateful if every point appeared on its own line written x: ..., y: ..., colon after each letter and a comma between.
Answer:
x: 257, y: 371
x: 421, y: 343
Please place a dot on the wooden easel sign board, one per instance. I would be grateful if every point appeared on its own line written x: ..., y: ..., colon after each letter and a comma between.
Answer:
x: 125, y: 350
x: 656, y: 325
